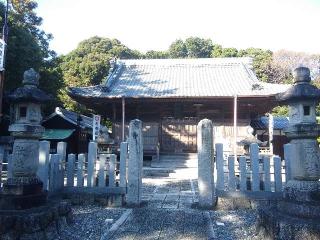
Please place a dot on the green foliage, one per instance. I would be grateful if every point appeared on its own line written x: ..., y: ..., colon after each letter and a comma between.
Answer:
x: 192, y: 47
x: 198, y: 47
x: 51, y: 81
x: 261, y: 61
x: 229, y: 52
x: 156, y: 55
x: 27, y: 44
x: 280, y: 111
x: 216, y: 51
x: 178, y: 49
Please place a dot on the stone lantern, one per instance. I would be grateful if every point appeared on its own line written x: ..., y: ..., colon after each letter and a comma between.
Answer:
x: 303, y: 129
x: 24, y: 188
x: 297, y: 215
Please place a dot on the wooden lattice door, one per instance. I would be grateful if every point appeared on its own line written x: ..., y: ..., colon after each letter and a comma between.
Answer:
x: 179, y: 135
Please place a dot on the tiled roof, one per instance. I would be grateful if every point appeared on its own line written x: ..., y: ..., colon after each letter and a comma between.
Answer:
x: 72, y: 117
x: 279, y: 123
x: 168, y: 78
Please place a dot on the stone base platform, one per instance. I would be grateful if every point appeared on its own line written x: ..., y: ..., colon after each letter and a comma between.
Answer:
x: 42, y: 222
x: 23, y: 193
x: 272, y: 224
x: 110, y: 197
x: 20, y: 202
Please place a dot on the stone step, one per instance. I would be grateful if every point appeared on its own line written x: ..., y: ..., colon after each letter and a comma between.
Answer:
x: 176, y: 160
x: 179, y: 154
x: 161, y: 172
x: 178, y: 157
x: 173, y: 165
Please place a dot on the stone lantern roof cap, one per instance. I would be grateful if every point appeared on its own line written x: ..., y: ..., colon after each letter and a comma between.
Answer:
x: 29, y: 92
x: 301, y: 89
x: 31, y: 77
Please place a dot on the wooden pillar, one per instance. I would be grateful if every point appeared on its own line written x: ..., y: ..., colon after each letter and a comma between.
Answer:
x: 114, y: 112
x: 235, y: 126
x: 123, y: 118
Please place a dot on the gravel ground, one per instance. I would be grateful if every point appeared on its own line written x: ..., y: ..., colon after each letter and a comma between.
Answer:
x: 90, y: 222
x: 234, y: 224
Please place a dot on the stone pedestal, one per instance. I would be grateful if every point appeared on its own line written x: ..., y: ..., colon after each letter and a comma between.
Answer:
x: 301, y: 199
x: 43, y: 222
x: 273, y: 224
x: 296, y: 216
x: 22, y: 194
x: 24, y: 189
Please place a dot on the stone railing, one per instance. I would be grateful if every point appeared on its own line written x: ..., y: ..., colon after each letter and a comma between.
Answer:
x: 255, y: 176
x: 92, y: 173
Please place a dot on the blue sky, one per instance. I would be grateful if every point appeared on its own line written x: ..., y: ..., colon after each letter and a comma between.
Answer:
x: 154, y: 24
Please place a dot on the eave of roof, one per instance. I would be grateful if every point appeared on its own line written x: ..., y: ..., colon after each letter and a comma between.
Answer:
x: 57, y: 134
x: 85, y: 123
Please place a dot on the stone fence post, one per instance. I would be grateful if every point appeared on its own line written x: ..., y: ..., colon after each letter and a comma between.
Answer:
x: 123, y: 163
x: 62, y: 150
x: 43, y: 169
x: 205, y: 164
x: 135, y: 162
x: 92, y: 158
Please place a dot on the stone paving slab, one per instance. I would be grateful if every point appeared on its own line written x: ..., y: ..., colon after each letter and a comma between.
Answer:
x: 167, y: 214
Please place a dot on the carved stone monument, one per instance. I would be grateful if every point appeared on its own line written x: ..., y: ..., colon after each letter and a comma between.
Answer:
x: 24, y: 189
x: 207, y: 199
x: 297, y: 215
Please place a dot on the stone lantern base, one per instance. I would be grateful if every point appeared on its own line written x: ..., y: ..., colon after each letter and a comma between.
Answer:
x: 43, y: 222
x: 296, y: 216
x: 24, y: 194
x: 273, y: 224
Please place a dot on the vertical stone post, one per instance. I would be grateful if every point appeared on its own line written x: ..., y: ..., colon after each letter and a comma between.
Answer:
x: 112, y: 170
x: 43, y: 169
x: 101, y: 173
x: 62, y: 150
x: 123, y: 163
x: 92, y: 158
x: 80, y: 178
x: 135, y: 163
x: 205, y: 164
x: 70, y: 170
